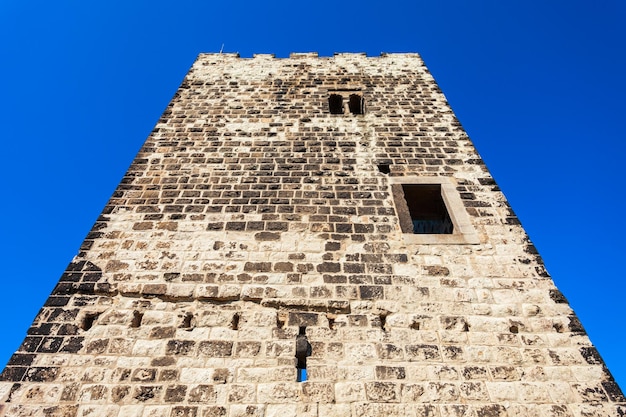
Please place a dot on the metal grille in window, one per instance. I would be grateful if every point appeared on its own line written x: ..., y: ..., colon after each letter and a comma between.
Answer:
x: 426, y: 227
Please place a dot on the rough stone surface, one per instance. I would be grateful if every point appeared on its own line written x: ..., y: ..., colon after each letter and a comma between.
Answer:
x: 252, y: 215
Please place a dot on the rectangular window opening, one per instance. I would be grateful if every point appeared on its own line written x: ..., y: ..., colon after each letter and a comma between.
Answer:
x: 335, y: 104
x: 430, y: 211
x: 356, y: 104
x: 427, y: 212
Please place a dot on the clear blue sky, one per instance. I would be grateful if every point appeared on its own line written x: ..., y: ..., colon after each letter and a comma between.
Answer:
x: 540, y: 86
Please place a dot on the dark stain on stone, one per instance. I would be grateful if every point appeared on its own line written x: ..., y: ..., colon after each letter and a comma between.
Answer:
x: 591, y: 355
x: 613, y: 390
x: 495, y: 410
x: 557, y: 297
x: 575, y: 326
x: 145, y: 393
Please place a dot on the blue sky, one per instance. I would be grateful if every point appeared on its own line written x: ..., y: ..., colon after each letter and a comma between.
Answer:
x: 539, y: 86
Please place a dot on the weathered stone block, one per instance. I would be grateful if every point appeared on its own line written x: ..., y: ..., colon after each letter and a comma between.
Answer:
x: 382, y: 391
x: 217, y: 348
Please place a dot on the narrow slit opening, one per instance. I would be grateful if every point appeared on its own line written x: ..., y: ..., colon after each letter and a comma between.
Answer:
x: 303, y: 350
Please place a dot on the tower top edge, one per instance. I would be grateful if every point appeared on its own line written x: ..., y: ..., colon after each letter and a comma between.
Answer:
x: 300, y: 55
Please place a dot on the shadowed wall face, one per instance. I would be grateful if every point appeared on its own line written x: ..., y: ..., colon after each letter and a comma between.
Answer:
x: 257, y: 260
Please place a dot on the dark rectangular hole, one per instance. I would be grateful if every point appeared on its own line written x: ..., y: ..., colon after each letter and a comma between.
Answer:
x: 427, y: 209
x: 335, y: 104
x: 355, y: 104
x: 384, y: 168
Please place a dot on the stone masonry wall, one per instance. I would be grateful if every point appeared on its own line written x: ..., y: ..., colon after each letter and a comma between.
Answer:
x: 252, y: 214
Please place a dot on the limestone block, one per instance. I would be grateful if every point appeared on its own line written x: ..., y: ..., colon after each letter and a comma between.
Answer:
x: 382, y: 391
x: 502, y: 391
x: 98, y: 411
x: 318, y: 392
x: 334, y: 410
x: 257, y: 375
x: 456, y: 410
x: 278, y: 392
x: 242, y: 393
x: 348, y: 392
x: 196, y: 375
x: 148, y: 348
x: 359, y: 352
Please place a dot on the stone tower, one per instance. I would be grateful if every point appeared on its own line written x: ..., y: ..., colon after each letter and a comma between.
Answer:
x: 307, y: 237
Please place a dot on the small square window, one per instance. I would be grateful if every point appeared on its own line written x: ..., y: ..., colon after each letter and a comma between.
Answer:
x: 430, y: 211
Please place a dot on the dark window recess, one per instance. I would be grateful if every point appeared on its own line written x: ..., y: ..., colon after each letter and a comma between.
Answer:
x: 384, y: 168
x: 335, y: 104
x: 421, y: 209
x: 303, y: 350
x: 356, y: 104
